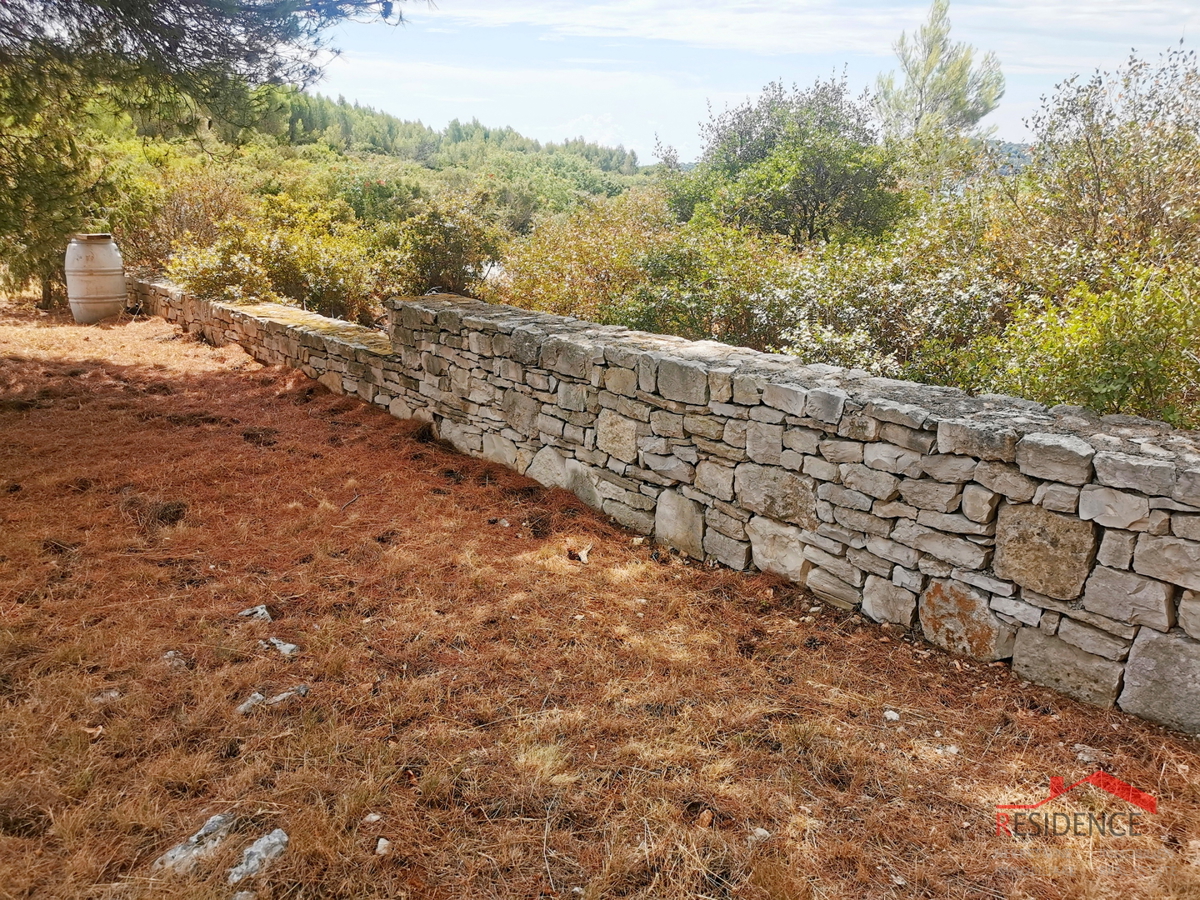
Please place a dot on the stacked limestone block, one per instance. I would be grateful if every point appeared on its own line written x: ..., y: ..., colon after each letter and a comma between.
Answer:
x: 1066, y: 542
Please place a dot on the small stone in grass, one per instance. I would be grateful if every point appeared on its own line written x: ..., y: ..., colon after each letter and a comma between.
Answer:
x: 288, y: 651
x: 891, y: 715
x: 383, y: 847
x: 252, y: 701
x: 372, y: 818
x: 257, y: 612
x: 759, y: 834
x: 298, y: 691
x: 244, y: 895
x: 258, y: 855
x: 183, y: 858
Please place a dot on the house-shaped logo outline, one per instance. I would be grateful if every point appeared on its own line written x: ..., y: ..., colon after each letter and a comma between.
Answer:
x: 1109, y: 783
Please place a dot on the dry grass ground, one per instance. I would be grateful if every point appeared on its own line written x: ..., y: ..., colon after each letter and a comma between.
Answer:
x: 524, y: 723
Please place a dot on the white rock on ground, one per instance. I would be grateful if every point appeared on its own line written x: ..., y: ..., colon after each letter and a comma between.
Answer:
x: 182, y: 859
x: 257, y: 612
x: 258, y: 855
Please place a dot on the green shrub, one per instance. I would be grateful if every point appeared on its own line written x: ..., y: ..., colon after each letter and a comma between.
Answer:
x: 311, y: 254
x: 1130, y: 349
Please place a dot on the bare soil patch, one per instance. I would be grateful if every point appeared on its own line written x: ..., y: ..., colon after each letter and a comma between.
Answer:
x: 523, y: 722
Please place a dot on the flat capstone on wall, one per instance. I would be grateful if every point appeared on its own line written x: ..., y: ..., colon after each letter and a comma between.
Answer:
x: 1066, y: 542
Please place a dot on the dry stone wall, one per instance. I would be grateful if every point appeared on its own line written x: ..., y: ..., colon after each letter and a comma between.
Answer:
x: 1065, y: 542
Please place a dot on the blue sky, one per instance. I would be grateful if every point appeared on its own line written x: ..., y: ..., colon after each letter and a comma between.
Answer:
x: 628, y: 71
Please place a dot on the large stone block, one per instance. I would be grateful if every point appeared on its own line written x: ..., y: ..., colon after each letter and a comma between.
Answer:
x: 1044, y: 551
x: 1130, y: 598
x: 1056, y: 457
x: 832, y: 589
x: 887, y: 602
x: 786, y: 397
x: 1162, y: 680
x: 1007, y: 480
x: 958, y: 618
x: 618, y: 436
x: 949, y: 549
x: 1113, y: 509
x: 931, y: 494
x: 520, y: 411
x: 981, y: 440
x: 777, y: 493
x: 778, y: 548
x: 726, y: 550
x: 679, y: 523
x: 1168, y: 559
x: 865, y: 480
x: 1137, y: 473
x: 715, y: 479
x: 764, y: 442
x: 683, y: 380
x: 549, y: 468
x: 1053, y: 663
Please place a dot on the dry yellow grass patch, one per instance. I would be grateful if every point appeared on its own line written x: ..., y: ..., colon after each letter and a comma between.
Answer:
x: 524, y: 725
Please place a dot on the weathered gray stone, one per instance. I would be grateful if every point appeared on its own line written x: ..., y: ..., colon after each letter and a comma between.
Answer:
x: 1052, y: 662
x: 1017, y: 610
x: 954, y: 523
x: 727, y: 550
x: 776, y: 493
x: 894, y: 509
x: 825, y: 404
x: 683, y: 380
x: 910, y: 438
x: 978, y: 439
x: 930, y: 494
x: 1162, y: 680
x: 1168, y: 559
x: 832, y: 589
x: 716, y: 479
x: 949, y: 549
x: 890, y: 550
x: 950, y: 469
x: 841, y: 451
x: 1187, y: 487
x: 1061, y: 498
x: 778, y: 548
x: 869, y: 562
x: 1136, y: 473
x: 979, y: 503
x: 1189, y: 613
x: 908, y: 579
x: 876, y: 484
x: 1056, y: 457
x: 1075, y: 611
x: 863, y: 522
x: 499, y: 450
x: 904, y: 414
x: 710, y: 427
x: 621, y: 381
x: 1043, y: 551
x: 836, y: 566
x: 764, y: 442
x: 667, y: 424
x: 1093, y: 640
x: 957, y: 618
x: 679, y: 523
x: 618, y: 436
x: 883, y: 601
x: 1112, y: 508
x: 634, y: 519
x: 581, y: 480
x: 844, y: 497
x: 1130, y: 598
x: 1159, y: 522
x: 892, y: 458
x: 819, y: 468
x: 787, y: 397
x: 1007, y: 480
x: 1186, y: 527
x: 1116, y: 549
x: 521, y: 412
x: 549, y: 468
x: 985, y: 582
x: 670, y: 467
x: 858, y: 427
x: 802, y: 440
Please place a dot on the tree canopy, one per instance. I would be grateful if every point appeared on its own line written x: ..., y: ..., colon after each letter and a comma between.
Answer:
x: 944, y: 91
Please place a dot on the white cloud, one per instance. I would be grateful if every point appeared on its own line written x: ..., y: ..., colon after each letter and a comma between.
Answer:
x: 1028, y: 35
